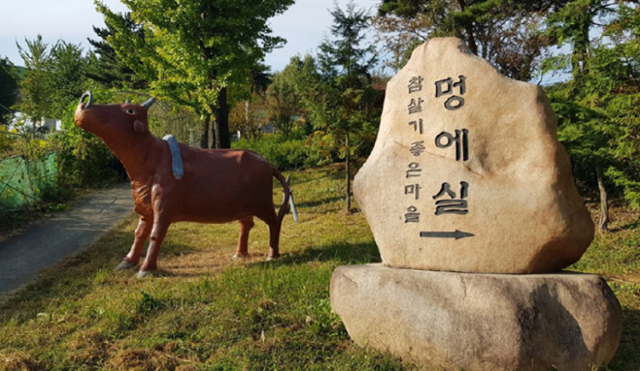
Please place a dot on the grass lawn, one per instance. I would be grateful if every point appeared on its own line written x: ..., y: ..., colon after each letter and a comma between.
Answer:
x: 208, y: 312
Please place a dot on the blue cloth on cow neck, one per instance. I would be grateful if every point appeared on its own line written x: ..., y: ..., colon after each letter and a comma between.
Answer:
x: 176, y: 159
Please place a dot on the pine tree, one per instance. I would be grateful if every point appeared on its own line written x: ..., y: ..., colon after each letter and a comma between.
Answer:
x: 347, y: 107
x: 598, y: 107
x: 504, y: 32
x: 105, y: 66
x: 67, y: 76
x: 35, y: 87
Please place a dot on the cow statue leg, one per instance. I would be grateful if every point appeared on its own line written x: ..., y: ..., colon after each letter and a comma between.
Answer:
x: 141, y: 234
x: 158, y: 233
x: 274, y: 234
x: 243, y: 241
x: 274, y: 240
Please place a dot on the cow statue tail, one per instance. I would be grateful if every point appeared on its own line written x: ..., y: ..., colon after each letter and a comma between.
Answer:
x: 287, y: 194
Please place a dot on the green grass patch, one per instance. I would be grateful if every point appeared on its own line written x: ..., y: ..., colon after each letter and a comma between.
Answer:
x: 616, y: 256
x: 208, y: 312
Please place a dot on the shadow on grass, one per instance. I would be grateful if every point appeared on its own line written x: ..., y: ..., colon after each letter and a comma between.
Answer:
x: 340, y: 253
x: 74, y: 277
x: 630, y: 226
x: 318, y: 202
x: 628, y: 357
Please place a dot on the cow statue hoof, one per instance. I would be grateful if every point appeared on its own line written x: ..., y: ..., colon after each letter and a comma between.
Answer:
x: 237, y: 256
x: 144, y: 274
x: 125, y: 265
x: 272, y: 258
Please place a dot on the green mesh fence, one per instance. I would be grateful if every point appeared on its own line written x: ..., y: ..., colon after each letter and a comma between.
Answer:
x: 24, y: 182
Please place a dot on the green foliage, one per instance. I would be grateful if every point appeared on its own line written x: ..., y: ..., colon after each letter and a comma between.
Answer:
x: 399, y: 36
x: 248, y: 117
x: 296, y: 91
x: 36, y: 87
x: 8, y: 90
x: 286, y: 152
x: 194, y: 50
x: 345, y: 55
x: 598, y: 109
x: 8, y: 141
x: 105, y: 66
x: 345, y: 102
x: 83, y: 160
x: 504, y: 32
x: 67, y: 79
x: 333, y: 96
x: 54, y: 77
x: 348, y: 103
x: 283, y: 103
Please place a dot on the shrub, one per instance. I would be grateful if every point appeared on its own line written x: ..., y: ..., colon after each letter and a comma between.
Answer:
x: 82, y: 160
x: 285, y: 152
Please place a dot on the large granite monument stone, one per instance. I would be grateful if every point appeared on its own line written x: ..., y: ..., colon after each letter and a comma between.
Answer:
x: 466, y: 186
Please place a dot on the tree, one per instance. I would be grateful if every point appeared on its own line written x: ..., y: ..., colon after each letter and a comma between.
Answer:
x: 248, y: 117
x: 195, y: 49
x: 598, y: 107
x: 308, y: 85
x: 504, y: 32
x: 8, y: 90
x: 36, y: 84
x: 283, y: 102
x: 53, y: 78
x: 105, y: 66
x: 67, y: 76
x: 347, y: 104
x: 399, y: 36
x: 247, y: 102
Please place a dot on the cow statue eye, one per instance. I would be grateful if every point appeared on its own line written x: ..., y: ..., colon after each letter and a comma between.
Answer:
x: 131, y: 111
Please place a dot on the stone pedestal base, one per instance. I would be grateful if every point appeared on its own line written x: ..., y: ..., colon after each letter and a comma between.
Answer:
x: 477, y: 322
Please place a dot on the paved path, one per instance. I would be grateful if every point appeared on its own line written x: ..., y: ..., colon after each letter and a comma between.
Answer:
x: 50, y: 240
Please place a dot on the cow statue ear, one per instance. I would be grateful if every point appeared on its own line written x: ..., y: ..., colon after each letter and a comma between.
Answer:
x: 140, y: 126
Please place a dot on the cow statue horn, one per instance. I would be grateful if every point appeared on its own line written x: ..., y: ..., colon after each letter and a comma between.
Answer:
x: 149, y: 102
x: 128, y: 101
x: 90, y: 96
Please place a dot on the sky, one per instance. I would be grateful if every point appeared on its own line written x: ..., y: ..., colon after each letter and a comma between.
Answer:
x: 304, y: 25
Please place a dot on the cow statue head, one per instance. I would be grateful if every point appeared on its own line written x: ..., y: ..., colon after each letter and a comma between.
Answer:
x: 120, y: 123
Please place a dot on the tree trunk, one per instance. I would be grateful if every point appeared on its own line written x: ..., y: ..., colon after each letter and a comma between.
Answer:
x: 348, y: 176
x: 213, y: 134
x: 204, y: 138
x: 604, y: 203
x: 471, y: 39
x: 580, y: 54
x: 34, y: 127
x: 222, y: 121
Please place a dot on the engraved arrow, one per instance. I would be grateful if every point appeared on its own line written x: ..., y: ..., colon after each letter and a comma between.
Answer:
x: 457, y: 234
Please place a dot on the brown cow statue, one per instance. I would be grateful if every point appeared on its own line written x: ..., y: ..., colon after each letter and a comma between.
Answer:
x: 172, y: 182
